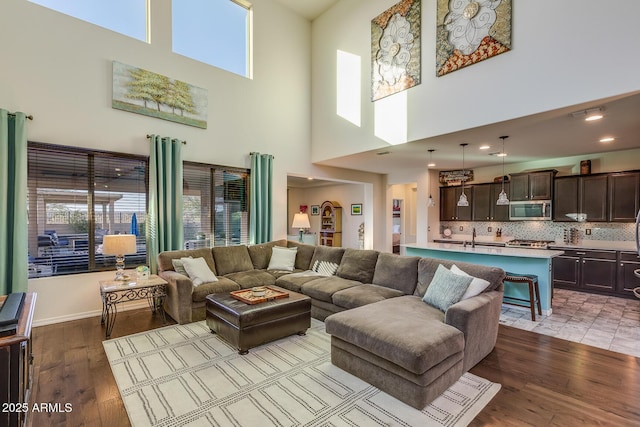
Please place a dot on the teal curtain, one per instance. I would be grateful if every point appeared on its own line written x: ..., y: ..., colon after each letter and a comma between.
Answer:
x: 13, y: 190
x: 260, y: 207
x: 165, y: 228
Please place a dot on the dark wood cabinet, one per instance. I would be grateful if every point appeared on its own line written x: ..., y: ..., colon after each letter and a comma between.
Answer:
x: 484, y: 202
x: 577, y: 197
x: 588, y: 270
x: 532, y: 186
x: 449, y: 209
x: 627, y: 280
x: 566, y: 271
x: 624, y: 199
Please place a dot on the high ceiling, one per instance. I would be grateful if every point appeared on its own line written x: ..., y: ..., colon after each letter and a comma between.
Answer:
x: 310, y: 9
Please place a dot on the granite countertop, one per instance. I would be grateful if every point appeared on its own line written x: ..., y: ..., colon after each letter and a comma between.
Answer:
x: 487, y: 250
x: 611, y: 245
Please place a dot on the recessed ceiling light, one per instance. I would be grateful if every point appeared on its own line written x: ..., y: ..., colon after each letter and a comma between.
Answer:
x: 607, y: 139
x: 593, y: 117
x: 485, y: 147
x: 501, y: 154
x: 309, y: 178
x: 382, y: 153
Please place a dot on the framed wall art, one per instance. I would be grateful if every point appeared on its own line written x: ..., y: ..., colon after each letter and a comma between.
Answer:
x: 315, y: 210
x: 395, y: 49
x: 356, y: 209
x: 471, y: 31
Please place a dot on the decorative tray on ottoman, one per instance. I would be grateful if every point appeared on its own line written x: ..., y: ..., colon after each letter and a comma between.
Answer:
x: 248, y: 296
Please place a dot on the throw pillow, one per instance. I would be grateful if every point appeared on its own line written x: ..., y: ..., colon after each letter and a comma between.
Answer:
x: 198, y: 271
x: 446, y: 288
x: 325, y: 268
x: 477, y: 285
x: 282, y: 258
x: 178, y: 267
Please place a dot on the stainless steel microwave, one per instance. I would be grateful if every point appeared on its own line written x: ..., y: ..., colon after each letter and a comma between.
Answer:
x: 530, y: 210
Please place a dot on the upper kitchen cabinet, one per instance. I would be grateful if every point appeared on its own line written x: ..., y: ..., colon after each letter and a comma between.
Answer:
x: 449, y: 209
x: 624, y: 201
x: 484, y: 206
x: 532, y: 186
x: 581, y: 198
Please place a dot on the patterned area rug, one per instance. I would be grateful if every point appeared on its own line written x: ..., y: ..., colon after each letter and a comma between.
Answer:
x: 182, y: 375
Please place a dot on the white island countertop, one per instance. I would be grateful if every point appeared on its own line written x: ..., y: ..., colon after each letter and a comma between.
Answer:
x: 487, y: 250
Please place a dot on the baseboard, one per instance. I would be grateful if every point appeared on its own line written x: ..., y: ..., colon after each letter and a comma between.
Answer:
x: 94, y: 313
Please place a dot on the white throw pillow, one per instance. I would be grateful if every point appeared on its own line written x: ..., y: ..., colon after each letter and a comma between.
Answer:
x: 477, y: 284
x: 325, y: 268
x: 198, y: 271
x: 282, y: 258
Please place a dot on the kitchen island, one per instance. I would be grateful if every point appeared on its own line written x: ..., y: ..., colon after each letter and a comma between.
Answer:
x: 513, y: 260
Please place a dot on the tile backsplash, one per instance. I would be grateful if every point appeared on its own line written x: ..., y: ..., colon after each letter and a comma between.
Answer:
x: 545, y: 230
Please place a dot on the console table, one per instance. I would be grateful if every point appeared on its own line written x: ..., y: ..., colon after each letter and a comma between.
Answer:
x: 114, y: 292
x: 16, y: 364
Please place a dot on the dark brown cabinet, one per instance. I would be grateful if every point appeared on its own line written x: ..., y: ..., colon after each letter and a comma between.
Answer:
x: 627, y: 280
x: 449, y: 209
x: 587, y: 270
x: 532, y: 186
x: 583, y: 198
x: 624, y: 201
x: 484, y: 206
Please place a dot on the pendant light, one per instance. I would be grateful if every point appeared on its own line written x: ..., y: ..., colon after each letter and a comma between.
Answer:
x: 430, y: 202
x: 463, y: 197
x: 502, y: 197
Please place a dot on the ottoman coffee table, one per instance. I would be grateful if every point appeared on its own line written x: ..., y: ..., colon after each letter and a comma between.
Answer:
x: 249, y: 325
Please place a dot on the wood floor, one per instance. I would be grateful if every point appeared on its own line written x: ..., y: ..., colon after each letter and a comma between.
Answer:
x: 545, y: 381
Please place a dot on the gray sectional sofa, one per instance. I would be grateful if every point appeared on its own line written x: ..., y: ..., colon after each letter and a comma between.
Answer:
x: 382, y: 330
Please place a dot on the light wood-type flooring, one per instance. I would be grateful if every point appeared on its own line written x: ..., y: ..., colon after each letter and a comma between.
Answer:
x: 546, y: 381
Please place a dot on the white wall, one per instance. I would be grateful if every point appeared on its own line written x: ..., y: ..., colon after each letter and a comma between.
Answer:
x: 557, y: 60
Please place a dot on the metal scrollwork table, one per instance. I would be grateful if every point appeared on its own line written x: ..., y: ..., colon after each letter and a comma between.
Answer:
x: 115, y: 292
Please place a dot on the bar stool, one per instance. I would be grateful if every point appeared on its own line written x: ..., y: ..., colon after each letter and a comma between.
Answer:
x: 534, y: 292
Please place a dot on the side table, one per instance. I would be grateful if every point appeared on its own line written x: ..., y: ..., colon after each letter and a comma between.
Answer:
x: 115, y: 292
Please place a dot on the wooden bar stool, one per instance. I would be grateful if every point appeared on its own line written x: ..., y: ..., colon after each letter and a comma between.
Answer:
x: 534, y: 292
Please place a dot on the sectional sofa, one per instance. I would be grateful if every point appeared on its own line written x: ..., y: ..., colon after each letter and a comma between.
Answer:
x: 372, y: 304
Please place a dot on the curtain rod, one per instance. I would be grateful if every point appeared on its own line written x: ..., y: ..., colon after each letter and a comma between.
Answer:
x: 184, y: 142
x: 251, y: 153
x: 30, y: 117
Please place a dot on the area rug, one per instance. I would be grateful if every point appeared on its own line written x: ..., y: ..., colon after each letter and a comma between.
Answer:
x: 182, y: 375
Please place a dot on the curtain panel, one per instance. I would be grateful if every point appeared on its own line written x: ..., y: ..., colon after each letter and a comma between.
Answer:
x: 13, y: 188
x: 260, y: 207
x: 165, y: 224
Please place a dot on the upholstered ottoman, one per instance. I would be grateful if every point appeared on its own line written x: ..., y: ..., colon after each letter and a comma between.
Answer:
x: 400, y: 345
x: 245, y: 326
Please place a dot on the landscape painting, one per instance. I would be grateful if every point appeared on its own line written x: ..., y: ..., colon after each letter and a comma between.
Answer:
x: 145, y: 92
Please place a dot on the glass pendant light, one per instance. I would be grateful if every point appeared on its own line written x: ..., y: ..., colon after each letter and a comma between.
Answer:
x: 430, y: 202
x: 502, y: 197
x: 463, y: 197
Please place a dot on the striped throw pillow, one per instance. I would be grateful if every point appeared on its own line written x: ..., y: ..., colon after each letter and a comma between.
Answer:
x: 325, y: 268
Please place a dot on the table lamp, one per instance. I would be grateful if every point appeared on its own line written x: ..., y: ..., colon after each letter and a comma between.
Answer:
x: 119, y: 245
x: 301, y: 221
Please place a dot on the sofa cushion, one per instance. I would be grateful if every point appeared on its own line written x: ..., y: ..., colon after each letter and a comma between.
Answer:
x: 232, y: 259
x: 282, y: 258
x: 403, y: 330
x: 326, y: 253
x: 397, y: 272
x: 294, y: 281
x: 362, y: 295
x: 358, y: 264
x: 178, y: 266
x: 164, y: 258
x: 323, y: 288
x: 222, y: 285
x: 198, y: 271
x: 428, y: 266
x: 251, y: 278
x: 446, y: 288
x: 304, y: 255
x: 261, y: 254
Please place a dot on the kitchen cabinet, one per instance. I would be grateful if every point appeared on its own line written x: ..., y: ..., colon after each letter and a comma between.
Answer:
x: 449, y: 209
x: 624, y: 201
x: 627, y: 280
x: 581, y: 195
x: 532, y: 186
x: 587, y: 270
x: 484, y: 206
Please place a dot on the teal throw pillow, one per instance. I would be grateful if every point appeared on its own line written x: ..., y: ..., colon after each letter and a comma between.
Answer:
x: 446, y: 288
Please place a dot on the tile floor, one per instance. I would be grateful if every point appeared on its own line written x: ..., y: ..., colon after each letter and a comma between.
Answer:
x: 600, y: 321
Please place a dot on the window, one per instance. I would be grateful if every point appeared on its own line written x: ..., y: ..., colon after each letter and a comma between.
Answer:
x: 215, y: 201
x: 128, y: 17
x: 74, y: 198
x: 216, y: 32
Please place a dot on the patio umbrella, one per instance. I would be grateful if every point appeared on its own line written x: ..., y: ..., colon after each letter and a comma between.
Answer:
x: 134, y: 224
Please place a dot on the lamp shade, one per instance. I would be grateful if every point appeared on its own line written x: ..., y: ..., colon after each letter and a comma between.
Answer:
x: 301, y: 220
x: 119, y: 244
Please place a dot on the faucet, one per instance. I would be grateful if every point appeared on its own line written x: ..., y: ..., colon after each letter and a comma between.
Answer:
x: 473, y: 238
